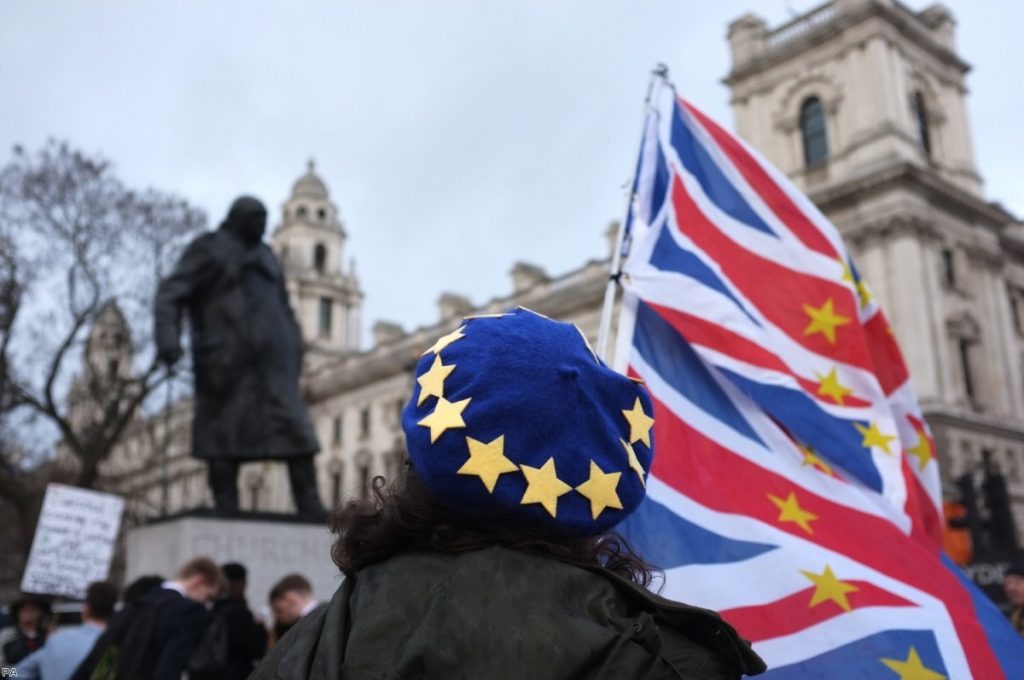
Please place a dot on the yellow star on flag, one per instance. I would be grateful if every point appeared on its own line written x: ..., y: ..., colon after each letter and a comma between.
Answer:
x: 824, y: 320
x: 831, y: 387
x: 634, y: 462
x: 544, y: 486
x: 847, y: 272
x: 445, y: 416
x: 432, y: 382
x: 487, y: 461
x: 863, y: 293
x: 874, y: 437
x: 912, y: 668
x: 922, y: 451
x: 790, y: 511
x: 446, y: 340
x: 600, y: 490
x: 811, y: 459
x: 639, y: 424
x: 827, y: 587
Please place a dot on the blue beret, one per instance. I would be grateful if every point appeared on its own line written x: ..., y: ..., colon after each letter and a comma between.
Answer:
x: 514, y: 419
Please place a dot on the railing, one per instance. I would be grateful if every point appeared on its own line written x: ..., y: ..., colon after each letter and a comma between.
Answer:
x: 802, y: 25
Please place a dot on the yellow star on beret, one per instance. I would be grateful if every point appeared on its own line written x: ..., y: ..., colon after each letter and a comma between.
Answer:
x: 432, y: 382
x: 487, y: 461
x: 599, y: 489
x: 639, y: 424
x: 634, y: 462
x: 446, y: 340
x: 544, y: 486
x: 445, y: 416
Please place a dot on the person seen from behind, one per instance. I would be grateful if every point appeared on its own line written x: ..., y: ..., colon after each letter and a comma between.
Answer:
x: 65, y: 649
x: 157, y: 632
x: 291, y: 598
x: 493, y: 555
x: 233, y: 642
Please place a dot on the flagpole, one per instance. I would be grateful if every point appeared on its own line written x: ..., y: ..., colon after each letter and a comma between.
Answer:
x: 660, y: 72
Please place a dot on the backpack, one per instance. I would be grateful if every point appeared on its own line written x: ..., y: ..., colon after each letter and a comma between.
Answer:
x: 125, y: 650
x: 211, y: 657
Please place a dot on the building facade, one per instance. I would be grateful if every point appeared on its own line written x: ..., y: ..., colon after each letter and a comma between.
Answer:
x: 863, y: 104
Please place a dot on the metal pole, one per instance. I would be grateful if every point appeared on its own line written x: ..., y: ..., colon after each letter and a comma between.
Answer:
x: 660, y: 72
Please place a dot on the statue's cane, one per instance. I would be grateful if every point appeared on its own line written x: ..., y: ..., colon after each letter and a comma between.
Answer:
x: 165, y: 454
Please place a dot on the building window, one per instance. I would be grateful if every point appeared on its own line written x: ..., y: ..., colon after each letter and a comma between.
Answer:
x: 948, y: 267
x: 964, y: 345
x: 319, y: 258
x: 325, y: 317
x: 284, y: 254
x: 813, y: 132
x: 321, y: 214
x: 336, y: 487
x: 301, y: 212
x: 921, y: 116
x: 1015, y: 295
x: 336, y: 430
x: 364, y: 422
x: 364, y: 481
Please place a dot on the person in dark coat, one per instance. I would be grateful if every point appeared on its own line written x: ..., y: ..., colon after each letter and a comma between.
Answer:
x: 247, y: 355
x: 157, y: 632
x: 29, y: 634
x: 245, y: 640
x: 493, y: 555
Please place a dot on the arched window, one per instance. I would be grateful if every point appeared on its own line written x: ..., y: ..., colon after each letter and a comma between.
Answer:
x: 813, y: 132
x: 284, y: 253
x: 321, y: 214
x: 319, y: 258
x: 300, y: 212
x: 921, y: 116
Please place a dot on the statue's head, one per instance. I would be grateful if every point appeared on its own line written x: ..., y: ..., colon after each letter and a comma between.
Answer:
x: 246, y: 220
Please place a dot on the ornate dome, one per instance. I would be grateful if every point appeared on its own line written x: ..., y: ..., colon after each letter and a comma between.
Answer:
x: 310, y: 185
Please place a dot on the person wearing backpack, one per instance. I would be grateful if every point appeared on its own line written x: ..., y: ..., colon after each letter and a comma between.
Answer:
x: 233, y: 642
x: 156, y: 634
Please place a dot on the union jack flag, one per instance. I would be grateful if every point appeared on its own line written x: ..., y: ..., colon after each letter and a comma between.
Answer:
x: 796, y: 488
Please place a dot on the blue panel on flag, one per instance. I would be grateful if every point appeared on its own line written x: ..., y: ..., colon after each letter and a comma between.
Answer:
x: 711, y: 178
x: 667, y: 540
x: 863, y: 658
x: 835, y: 439
x: 670, y: 256
x: 675, y: 361
x: 1006, y: 643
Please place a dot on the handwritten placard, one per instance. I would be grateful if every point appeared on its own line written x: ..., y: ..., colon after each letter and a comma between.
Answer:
x: 74, y: 541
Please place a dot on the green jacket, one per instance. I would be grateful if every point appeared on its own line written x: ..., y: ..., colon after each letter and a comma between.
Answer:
x: 498, y: 613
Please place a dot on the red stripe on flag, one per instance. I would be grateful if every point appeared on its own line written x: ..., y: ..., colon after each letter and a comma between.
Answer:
x: 794, y: 613
x: 886, y: 358
x: 700, y: 331
x: 721, y: 480
x: 928, y: 525
x: 771, y: 193
x: 778, y: 292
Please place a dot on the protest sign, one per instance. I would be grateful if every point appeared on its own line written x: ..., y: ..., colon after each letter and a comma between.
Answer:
x: 74, y: 541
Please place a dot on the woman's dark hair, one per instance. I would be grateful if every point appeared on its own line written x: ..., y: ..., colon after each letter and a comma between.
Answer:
x: 404, y: 516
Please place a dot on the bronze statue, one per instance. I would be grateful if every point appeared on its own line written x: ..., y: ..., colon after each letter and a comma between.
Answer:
x: 247, y: 355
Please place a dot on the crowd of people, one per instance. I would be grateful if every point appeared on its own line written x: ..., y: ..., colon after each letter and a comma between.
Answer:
x: 196, y: 625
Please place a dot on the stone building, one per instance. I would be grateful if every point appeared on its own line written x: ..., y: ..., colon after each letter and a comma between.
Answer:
x: 863, y: 103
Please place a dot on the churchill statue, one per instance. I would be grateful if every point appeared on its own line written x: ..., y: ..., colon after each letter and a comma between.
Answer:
x: 247, y: 356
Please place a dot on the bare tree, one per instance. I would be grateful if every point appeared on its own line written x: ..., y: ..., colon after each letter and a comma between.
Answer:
x: 95, y: 250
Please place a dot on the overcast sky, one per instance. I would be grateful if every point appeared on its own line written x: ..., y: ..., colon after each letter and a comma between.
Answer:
x: 456, y: 137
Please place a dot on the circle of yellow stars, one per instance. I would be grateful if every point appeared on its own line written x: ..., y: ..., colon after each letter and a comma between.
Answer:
x: 487, y: 460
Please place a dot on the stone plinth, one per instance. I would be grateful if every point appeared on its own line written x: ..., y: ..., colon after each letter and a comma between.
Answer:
x: 269, y: 546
